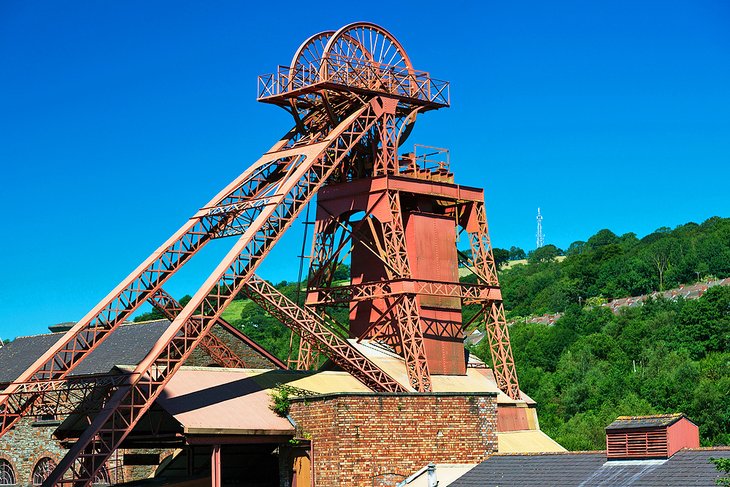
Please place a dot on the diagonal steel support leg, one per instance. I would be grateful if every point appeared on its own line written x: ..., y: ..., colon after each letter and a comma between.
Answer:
x: 214, y: 346
x: 307, y: 169
x: 232, y: 202
x: 482, y: 261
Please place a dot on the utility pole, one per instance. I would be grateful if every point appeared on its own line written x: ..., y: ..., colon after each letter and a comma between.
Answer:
x: 540, y: 236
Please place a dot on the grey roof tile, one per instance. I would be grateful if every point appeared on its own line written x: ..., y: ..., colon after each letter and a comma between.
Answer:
x: 634, y: 422
x: 686, y: 468
x: 127, y: 345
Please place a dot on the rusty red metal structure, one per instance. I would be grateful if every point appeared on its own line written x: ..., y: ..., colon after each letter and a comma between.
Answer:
x: 354, y: 96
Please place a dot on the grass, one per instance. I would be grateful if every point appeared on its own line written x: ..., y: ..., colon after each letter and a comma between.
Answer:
x: 233, y: 311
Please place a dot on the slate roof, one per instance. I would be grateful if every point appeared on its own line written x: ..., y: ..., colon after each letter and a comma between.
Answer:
x: 687, y: 468
x: 639, y: 422
x: 127, y: 345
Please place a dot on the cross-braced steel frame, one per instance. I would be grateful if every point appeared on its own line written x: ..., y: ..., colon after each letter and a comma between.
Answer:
x: 354, y: 96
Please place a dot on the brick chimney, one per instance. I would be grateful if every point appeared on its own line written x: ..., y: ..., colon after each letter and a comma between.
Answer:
x: 643, y: 437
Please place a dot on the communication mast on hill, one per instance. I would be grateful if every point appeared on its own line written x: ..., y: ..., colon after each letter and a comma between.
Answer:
x: 540, y: 236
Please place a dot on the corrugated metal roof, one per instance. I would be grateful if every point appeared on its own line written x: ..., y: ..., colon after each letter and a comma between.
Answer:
x: 526, y: 441
x: 211, y: 400
x: 221, y: 401
x: 325, y: 382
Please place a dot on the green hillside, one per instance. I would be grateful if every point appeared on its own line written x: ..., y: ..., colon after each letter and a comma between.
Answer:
x: 593, y: 365
x: 611, y: 266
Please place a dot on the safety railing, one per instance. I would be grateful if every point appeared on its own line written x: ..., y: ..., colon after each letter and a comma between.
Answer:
x: 355, y: 73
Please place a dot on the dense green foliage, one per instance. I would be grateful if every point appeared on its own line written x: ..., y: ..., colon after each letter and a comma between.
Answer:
x: 593, y: 365
x: 266, y: 330
x: 723, y: 466
x: 611, y: 266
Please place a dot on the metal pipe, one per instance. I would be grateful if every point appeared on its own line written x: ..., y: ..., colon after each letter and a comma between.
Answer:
x: 429, y: 469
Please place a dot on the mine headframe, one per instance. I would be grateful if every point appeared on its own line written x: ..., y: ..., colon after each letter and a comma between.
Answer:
x: 354, y: 96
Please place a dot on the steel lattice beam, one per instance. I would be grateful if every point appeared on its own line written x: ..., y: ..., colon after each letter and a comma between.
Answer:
x: 316, y: 330
x: 306, y: 169
x: 214, y: 346
x: 139, y: 286
x: 469, y: 292
x: 62, y: 396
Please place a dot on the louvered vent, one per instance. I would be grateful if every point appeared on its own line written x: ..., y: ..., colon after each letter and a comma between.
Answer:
x: 656, y: 436
x: 637, y: 444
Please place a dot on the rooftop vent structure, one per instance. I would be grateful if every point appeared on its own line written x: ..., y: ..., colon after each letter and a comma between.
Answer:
x: 644, y: 437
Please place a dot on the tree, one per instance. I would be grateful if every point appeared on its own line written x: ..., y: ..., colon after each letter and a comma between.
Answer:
x: 342, y: 273
x: 501, y: 256
x: 546, y: 253
x: 516, y: 253
x: 576, y: 248
x: 603, y: 237
x: 722, y: 465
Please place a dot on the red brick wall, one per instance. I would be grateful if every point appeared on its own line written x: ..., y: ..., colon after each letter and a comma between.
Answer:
x: 368, y: 439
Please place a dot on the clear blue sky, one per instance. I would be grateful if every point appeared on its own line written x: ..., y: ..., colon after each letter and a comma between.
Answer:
x: 119, y: 119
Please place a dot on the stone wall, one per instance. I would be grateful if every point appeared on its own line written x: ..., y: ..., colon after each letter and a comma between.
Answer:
x: 376, y: 439
x: 29, y: 441
x: 25, y: 444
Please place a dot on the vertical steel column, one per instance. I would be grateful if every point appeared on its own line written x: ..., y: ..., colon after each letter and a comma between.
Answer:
x: 215, y: 466
x: 406, y: 309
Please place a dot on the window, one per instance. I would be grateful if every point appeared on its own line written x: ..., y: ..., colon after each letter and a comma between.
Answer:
x: 42, y: 470
x: 7, y: 474
x: 102, y: 477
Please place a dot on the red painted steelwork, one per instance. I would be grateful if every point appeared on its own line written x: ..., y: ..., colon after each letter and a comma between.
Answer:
x: 377, y: 265
x: 229, y: 205
x: 431, y: 243
x: 215, y: 466
x: 216, y: 348
x: 305, y: 169
x: 354, y: 96
x: 318, y: 331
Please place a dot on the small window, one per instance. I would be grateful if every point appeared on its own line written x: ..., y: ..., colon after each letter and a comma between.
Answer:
x: 46, y: 420
x: 42, y: 470
x: 7, y: 474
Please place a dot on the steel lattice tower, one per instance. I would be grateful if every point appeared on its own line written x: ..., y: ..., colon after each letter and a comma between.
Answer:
x: 540, y: 236
x: 354, y: 97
